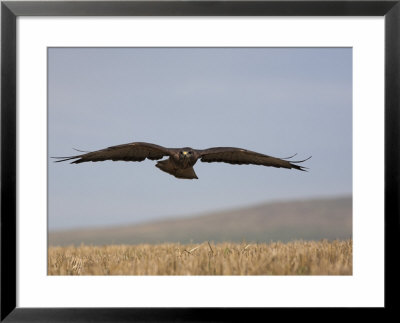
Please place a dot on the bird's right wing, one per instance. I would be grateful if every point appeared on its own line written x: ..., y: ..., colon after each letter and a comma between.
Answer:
x: 135, y: 151
x: 240, y: 156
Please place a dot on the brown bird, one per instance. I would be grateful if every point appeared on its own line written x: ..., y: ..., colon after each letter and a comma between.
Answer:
x: 181, y: 160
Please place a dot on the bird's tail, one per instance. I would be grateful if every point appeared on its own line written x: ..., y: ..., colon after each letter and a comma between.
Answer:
x: 168, y: 167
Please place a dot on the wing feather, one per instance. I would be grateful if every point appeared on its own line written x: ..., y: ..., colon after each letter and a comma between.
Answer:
x: 240, y: 156
x: 135, y: 151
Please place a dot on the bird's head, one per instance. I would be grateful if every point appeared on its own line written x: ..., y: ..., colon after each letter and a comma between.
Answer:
x: 186, y: 153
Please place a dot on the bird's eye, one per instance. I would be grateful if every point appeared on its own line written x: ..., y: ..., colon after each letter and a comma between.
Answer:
x: 190, y: 152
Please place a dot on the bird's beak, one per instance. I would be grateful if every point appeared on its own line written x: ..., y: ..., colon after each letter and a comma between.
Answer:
x: 185, y: 153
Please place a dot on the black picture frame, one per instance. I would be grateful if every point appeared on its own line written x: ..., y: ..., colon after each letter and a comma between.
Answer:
x: 10, y: 10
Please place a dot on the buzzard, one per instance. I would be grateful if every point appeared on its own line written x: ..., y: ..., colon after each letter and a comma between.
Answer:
x: 181, y: 160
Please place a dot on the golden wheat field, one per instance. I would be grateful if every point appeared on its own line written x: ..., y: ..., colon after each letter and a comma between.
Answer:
x: 276, y: 258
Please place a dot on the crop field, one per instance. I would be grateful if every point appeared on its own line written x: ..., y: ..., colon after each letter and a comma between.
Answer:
x: 275, y: 258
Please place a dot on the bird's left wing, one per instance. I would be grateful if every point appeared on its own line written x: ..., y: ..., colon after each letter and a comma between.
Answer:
x: 240, y: 156
x: 135, y: 151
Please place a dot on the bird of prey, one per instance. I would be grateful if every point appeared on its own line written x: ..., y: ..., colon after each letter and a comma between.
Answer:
x: 181, y: 160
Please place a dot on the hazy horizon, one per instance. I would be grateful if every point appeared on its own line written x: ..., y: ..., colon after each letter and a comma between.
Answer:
x: 205, y: 213
x: 276, y: 101
x: 315, y: 219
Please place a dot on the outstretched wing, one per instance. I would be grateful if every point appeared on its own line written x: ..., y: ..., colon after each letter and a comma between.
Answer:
x: 242, y: 156
x: 135, y: 151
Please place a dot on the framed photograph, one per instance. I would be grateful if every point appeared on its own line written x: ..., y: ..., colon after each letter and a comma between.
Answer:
x: 273, y: 127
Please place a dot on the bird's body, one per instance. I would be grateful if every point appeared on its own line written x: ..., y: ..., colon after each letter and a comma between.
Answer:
x: 181, y: 160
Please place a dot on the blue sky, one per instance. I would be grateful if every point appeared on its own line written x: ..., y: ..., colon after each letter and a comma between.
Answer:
x: 276, y: 101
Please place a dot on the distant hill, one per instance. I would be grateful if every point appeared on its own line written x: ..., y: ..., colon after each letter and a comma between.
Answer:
x: 313, y: 219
